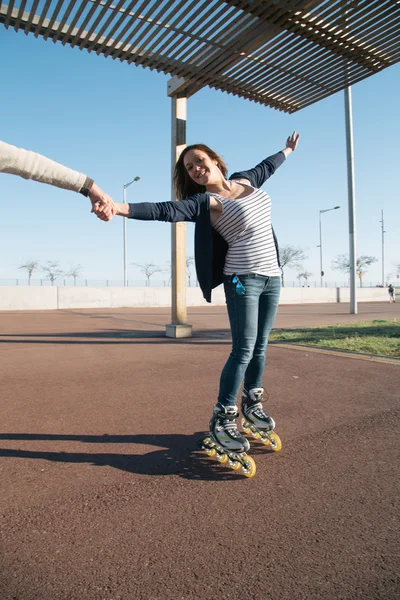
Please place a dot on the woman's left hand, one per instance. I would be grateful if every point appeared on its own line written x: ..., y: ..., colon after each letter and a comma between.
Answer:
x: 293, y: 141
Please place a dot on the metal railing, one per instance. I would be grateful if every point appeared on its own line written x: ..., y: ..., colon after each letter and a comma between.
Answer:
x: 68, y: 282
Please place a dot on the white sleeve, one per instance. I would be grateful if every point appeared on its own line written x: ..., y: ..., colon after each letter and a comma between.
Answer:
x: 31, y: 165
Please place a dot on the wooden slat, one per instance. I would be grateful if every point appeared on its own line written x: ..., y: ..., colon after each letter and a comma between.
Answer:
x: 64, y: 19
x: 53, y: 18
x: 143, y: 28
x: 31, y: 14
x: 20, y: 13
x: 42, y: 17
x: 93, y: 31
x: 132, y: 32
x: 164, y: 38
x: 9, y: 13
x: 130, y: 19
x: 83, y: 4
x: 74, y: 39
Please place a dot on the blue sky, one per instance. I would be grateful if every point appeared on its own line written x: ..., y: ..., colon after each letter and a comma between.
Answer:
x: 111, y: 121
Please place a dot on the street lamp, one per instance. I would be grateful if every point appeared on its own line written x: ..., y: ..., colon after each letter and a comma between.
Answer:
x: 383, y: 251
x: 126, y: 185
x: 320, y: 237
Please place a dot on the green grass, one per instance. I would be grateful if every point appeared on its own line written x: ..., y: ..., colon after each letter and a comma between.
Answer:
x: 369, y: 337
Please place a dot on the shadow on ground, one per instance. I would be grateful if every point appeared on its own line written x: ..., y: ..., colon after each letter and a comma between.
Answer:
x: 110, y: 336
x: 179, y: 454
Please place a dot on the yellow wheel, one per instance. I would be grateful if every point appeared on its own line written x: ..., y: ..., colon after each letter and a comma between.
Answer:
x: 234, y: 464
x: 264, y: 438
x: 275, y: 441
x: 222, y: 458
x: 210, y: 451
x: 245, y: 426
x: 249, y: 468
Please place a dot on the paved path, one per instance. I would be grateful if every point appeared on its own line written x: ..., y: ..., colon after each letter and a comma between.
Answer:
x: 104, y: 494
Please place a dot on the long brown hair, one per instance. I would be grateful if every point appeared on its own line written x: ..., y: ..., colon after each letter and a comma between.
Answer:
x: 184, y: 184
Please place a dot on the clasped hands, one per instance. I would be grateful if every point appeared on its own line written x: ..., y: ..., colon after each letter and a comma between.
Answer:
x: 103, y: 205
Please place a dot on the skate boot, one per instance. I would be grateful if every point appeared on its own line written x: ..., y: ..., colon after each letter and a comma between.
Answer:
x: 256, y: 421
x: 225, y: 441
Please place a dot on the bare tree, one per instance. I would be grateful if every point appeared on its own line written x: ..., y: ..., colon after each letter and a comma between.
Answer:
x: 291, y: 257
x: 189, y: 264
x: 304, y: 275
x: 30, y: 266
x: 74, y: 272
x: 148, y: 269
x: 52, y: 271
x: 168, y: 270
x: 342, y: 263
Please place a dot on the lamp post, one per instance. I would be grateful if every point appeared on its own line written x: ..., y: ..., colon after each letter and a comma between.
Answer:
x: 126, y: 185
x: 383, y: 251
x: 320, y: 237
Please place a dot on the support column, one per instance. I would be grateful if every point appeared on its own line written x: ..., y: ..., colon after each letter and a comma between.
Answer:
x: 351, y: 195
x: 178, y: 328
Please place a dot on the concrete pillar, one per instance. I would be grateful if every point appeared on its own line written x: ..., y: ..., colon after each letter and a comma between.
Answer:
x: 178, y: 327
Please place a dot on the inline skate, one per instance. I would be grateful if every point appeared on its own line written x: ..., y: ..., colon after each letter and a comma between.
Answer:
x: 225, y: 441
x: 256, y: 421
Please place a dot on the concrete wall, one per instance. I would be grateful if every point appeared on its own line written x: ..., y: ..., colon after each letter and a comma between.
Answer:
x: 28, y: 298
x: 52, y: 298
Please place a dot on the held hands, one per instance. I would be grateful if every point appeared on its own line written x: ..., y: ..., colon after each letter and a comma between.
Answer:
x: 102, y: 205
x: 105, y: 214
x: 292, y: 141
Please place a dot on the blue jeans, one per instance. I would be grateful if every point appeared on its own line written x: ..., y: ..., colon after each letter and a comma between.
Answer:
x: 251, y: 317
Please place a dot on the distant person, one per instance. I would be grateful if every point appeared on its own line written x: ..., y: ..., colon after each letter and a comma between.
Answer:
x: 235, y: 245
x: 30, y: 165
x: 392, y: 293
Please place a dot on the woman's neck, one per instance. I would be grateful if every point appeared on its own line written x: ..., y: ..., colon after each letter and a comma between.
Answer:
x: 219, y: 186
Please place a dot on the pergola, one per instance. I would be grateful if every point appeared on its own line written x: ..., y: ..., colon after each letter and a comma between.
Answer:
x: 284, y: 54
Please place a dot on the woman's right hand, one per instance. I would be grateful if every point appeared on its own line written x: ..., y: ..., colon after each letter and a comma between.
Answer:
x: 102, y: 204
x: 103, y: 213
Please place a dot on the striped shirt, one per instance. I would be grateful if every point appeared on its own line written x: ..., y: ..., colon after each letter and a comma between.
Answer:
x: 245, y: 224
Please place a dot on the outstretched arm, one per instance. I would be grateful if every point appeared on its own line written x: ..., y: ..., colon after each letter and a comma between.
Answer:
x: 263, y: 171
x: 170, y: 212
x: 30, y: 165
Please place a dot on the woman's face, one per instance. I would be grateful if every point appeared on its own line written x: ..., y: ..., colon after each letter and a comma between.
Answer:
x: 201, y: 168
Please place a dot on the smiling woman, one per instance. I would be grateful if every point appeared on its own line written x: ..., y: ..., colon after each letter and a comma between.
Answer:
x: 194, y: 167
x: 234, y: 245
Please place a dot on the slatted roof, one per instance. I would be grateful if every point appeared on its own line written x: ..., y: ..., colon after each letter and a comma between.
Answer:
x: 286, y: 54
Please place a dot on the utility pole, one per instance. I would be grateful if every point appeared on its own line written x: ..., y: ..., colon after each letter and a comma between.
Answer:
x: 383, y: 251
x: 351, y: 197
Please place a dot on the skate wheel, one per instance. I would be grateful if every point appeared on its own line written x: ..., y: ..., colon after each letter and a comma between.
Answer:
x: 275, y: 441
x: 222, y: 458
x: 207, y: 446
x: 245, y: 426
x: 234, y: 464
x: 248, y: 467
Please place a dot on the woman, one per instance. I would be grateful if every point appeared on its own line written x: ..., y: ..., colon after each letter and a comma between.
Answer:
x: 234, y: 244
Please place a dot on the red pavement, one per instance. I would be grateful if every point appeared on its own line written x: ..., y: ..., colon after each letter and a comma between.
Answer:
x: 104, y: 494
